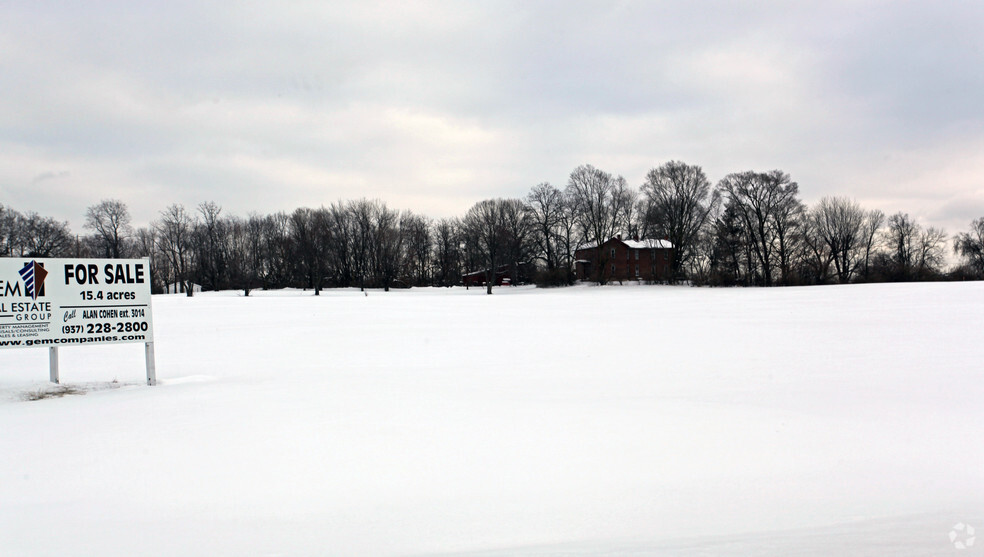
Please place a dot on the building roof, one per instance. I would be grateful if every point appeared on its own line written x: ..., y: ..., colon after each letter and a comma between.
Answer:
x: 648, y: 243
x: 645, y: 243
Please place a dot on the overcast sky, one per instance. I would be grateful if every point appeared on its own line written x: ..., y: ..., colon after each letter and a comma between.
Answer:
x: 433, y: 106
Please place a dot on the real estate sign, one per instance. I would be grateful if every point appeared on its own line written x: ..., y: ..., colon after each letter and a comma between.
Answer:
x: 59, y: 302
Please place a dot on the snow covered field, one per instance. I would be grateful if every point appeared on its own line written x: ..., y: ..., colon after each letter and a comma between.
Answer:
x: 581, y: 421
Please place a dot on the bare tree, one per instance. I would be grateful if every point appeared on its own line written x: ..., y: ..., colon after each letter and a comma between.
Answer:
x: 312, y: 233
x: 279, y: 250
x: 110, y: 222
x: 900, y: 241
x: 701, y: 265
x: 731, y: 260
x: 321, y: 234
x: 913, y: 253
x: 970, y: 246
x: 568, y: 236
x: 788, y: 223
x: 388, y: 247
x: 873, y: 221
x: 677, y: 200
x: 417, y: 245
x: 930, y: 253
x: 238, y: 252
x: 210, y: 247
x: 816, y: 256
x: 340, y: 260
x: 174, y: 240
x: 44, y: 236
x: 302, y: 227
x: 486, y: 232
x: 362, y: 214
x: 519, y: 229
x: 603, y: 205
x: 377, y: 249
x: 839, y: 222
x: 245, y: 250
x: 448, y: 242
x: 9, y: 231
x: 768, y: 209
x: 545, y: 205
x: 145, y: 245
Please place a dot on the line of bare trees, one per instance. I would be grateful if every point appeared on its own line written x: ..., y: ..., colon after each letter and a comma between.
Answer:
x: 360, y: 243
x: 751, y: 228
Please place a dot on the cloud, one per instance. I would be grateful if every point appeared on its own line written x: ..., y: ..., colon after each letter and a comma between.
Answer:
x: 433, y: 106
x: 49, y: 175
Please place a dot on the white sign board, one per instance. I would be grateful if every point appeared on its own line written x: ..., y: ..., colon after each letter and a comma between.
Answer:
x: 59, y: 302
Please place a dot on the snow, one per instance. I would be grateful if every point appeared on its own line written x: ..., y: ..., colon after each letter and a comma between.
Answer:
x: 645, y: 243
x: 648, y: 244
x: 616, y: 420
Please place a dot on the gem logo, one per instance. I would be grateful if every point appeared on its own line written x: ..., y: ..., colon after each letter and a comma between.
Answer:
x: 33, y: 274
x: 962, y: 536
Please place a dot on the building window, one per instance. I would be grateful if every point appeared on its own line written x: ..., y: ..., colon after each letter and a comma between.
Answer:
x: 613, y: 253
x: 637, y: 256
x: 613, y: 269
x: 637, y: 270
x: 666, y: 256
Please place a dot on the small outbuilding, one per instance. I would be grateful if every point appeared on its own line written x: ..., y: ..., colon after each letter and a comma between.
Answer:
x: 505, y: 275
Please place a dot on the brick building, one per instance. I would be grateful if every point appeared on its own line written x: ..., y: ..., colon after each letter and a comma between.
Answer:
x: 621, y: 260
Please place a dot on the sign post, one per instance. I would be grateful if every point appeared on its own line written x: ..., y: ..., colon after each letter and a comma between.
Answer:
x: 57, y: 302
x: 53, y: 364
x: 151, y: 364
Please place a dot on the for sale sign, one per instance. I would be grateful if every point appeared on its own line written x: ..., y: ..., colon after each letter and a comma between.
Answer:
x: 57, y: 302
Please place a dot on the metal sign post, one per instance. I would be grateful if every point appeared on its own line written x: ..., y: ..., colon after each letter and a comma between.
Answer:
x: 151, y: 364
x: 53, y: 364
